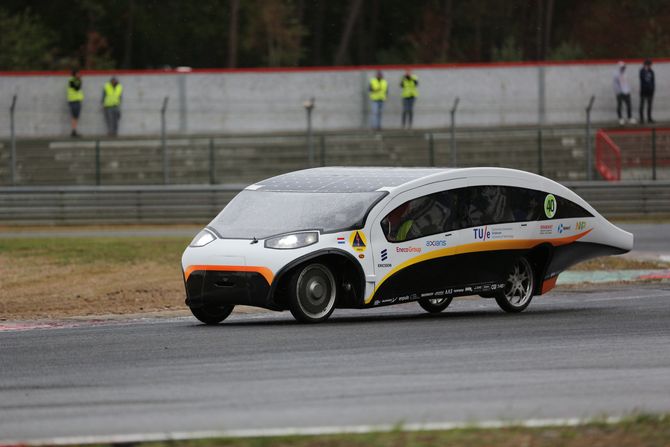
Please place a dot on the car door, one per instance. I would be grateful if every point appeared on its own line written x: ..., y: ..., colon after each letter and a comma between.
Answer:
x: 411, y: 242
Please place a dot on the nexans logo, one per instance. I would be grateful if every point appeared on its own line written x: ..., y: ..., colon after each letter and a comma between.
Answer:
x: 436, y: 243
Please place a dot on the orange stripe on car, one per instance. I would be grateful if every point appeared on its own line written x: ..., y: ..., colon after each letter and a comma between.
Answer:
x: 549, y: 284
x: 264, y: 271
x: 475, y: 247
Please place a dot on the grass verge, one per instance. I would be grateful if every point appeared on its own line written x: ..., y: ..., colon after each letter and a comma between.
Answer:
x: 635, y: 431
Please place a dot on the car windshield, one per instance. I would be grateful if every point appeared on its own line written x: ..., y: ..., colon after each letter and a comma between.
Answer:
x: 261, y: 214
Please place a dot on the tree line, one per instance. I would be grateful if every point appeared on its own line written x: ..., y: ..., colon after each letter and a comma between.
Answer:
x: 140, y: 34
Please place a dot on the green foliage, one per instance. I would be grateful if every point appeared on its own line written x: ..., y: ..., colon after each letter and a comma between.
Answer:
x: 567, y: 51
x: 25, y: 43
x: 38, y: 34
x: 509, y: 51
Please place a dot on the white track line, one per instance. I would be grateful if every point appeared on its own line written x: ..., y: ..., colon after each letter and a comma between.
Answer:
x: 296, y: 431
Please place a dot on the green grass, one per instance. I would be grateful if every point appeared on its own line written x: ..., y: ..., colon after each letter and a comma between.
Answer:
x: 110, y: 250
x: 634, y: 431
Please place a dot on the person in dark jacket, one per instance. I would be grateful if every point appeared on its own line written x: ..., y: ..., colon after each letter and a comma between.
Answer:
x: 647, y: 87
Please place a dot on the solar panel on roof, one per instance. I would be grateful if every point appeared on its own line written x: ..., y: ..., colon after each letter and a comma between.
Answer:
x: 344, y: 179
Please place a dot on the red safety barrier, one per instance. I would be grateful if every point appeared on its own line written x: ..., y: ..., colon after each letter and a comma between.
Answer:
x: 608, y: 157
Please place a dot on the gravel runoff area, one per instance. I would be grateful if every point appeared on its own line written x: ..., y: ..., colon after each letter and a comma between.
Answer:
x: 65, y: 272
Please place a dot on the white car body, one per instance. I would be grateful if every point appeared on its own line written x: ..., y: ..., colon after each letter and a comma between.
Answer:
x: 453, y: 248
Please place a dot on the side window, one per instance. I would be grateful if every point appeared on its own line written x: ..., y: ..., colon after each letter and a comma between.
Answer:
x: 525, y: 204
x: 489, y: 205
x: 416, y: 218
x: 564, y: 208
x: 567, y: 209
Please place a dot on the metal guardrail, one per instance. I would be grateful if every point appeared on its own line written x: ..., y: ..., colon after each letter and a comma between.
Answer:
x: 200, y: 203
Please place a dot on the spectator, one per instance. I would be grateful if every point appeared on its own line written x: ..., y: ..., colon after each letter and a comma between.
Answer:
x: 111, y: 102
x: 378, y: 90
x: 647, y: 87
x: 409, y: 84
x: 622, y: 91
x: 75, y: 97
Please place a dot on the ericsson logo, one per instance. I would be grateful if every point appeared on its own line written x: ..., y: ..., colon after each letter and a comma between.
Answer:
x: 385, y: 255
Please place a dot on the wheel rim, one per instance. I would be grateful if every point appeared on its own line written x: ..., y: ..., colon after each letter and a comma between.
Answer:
x: 316, y: 291
x: 437, y: 301
x: 519, y: 286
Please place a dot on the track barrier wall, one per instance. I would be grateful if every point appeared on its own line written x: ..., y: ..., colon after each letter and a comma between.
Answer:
x: 272, y: 100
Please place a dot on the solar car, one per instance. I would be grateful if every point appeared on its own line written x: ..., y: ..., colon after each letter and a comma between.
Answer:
x: 318, y: 239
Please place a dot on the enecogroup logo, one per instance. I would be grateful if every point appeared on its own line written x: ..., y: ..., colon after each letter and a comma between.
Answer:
x: 408, y: 249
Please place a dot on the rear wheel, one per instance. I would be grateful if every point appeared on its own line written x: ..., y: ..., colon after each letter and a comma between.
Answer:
x: 435, y: 305
x: 313, y: 293
x: 519, y: 287
x: 212, y: 314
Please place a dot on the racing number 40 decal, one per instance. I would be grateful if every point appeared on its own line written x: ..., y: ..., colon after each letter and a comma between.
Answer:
x: 550, y: 206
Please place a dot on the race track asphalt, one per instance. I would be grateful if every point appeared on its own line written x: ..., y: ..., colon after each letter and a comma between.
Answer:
x: 578, y: 353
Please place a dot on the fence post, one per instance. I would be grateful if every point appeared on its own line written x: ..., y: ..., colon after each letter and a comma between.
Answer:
x: 166, y: 160
x: 431, y: 149
x: 212, y: 163
x: 540, y: 152
x: 98, y: 179
x: 587, y: 140
x: 452, y: 132
x: 12, y: 143
x: 309, y: 106
x: 322, y: 143
x: 653, y: 153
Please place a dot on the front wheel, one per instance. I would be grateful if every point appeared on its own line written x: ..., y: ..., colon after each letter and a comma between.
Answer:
x: 313, y: 293
x: 212, y: 314
x: 435, y: 305
x: 519, y: 287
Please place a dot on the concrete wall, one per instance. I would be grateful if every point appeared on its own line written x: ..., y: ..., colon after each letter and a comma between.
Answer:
x: 270, y: 101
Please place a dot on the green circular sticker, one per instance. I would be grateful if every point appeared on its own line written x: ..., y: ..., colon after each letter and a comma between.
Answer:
x: 550, y: 206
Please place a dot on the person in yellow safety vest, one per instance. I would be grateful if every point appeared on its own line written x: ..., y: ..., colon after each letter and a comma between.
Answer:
x: 111, y: 102
x: 378, y: 90
x: 75, y: 97
x: 410, y: 91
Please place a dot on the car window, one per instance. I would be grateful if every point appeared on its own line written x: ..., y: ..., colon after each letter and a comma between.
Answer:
x: 461, y: 208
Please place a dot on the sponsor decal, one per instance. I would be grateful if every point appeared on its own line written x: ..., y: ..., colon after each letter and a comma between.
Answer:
x: 340, y: 240
x: 408, y: 249
x: 580, y: 225
x: 546, y: 229
x: 440, y: 243
x: 384, y: 266
x: 561, y: 228
x: 385, y: 254
x: 481, y: 233
x: 361, y: 256
x: 550, y: 206
x: 358, y: 241
x: 502, y: 233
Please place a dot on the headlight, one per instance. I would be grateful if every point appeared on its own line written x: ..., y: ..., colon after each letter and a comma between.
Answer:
x: 295, y: 240
x: 203, y: 238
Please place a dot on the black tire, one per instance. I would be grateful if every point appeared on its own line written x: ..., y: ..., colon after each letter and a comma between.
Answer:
x: 435, y: 305
x: 312, y: 293
x: 212, y: 315
x: 519, y: 287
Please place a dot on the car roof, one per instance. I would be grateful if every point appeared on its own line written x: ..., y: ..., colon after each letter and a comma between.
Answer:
x: 346, y: 179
